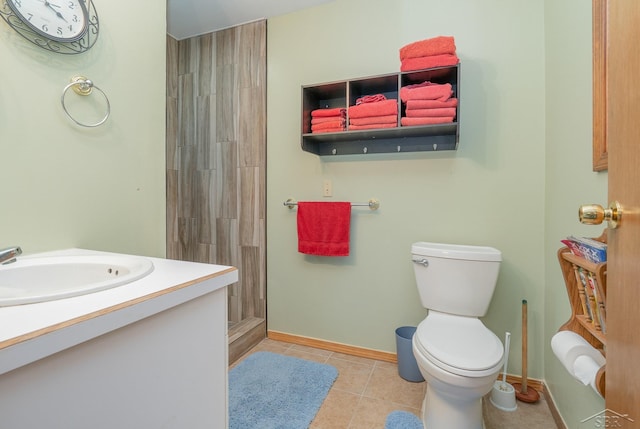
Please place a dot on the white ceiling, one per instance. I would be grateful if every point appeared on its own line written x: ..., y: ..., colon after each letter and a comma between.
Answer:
x: 188, y: 18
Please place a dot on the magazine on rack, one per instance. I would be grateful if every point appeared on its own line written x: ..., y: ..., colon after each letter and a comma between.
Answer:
x: 587, y: 248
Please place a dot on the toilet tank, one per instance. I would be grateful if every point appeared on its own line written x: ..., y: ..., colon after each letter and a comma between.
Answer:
x: 456, y: 279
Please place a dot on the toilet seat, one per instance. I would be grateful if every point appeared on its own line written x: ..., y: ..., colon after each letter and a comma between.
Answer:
x: 458, y: 344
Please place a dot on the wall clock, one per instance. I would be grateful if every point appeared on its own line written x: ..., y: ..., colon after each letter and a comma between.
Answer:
x: 62, y: 26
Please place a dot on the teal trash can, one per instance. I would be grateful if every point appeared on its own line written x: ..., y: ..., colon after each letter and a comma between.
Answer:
x: 407, y: 365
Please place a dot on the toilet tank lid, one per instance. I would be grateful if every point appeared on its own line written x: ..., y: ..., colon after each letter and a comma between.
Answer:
x: 456, y: 251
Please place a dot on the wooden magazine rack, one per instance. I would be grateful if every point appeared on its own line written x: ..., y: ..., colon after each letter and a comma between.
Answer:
x: 586, y: 284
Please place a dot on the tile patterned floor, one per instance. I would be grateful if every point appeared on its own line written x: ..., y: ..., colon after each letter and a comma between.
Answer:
x: 366, y: 391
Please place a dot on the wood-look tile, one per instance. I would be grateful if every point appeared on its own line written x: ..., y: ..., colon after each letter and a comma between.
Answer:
x: 249, y: 216
x: 251, y: 127
x: 205, y: 206
x: 227, y: 99
x: 227, y: 46
x: 172, y: 133
x: 172, y: 67
x: 186, y: 111
x: 203, y: 133
x: 251, y: 54
x: 216, y: 212
x: 205, y: 64
x: 227, y: 189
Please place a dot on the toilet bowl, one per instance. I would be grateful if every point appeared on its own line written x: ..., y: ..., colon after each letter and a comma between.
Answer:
x: 457, y: 355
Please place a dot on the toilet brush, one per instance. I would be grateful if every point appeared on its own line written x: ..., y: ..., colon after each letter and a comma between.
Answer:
x: 524, y: 393
x: 503, y: 394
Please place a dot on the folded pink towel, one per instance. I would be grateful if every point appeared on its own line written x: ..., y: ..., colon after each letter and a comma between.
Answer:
x: 330, y: 124
x: 435, y: 46
x: 338, y: 112
x: 426, y: 91
x: 378, y: 108
x: 329, y: 130
x: 420, y: 63
x: 371, y: 98
x: 322, y: 119
x: 371, y: 126
x: 387, y: 119
x: 408, y: 122
x: 430, y: 104
x: 421, y: 113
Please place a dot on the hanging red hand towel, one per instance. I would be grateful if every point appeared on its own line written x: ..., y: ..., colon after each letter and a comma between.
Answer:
x: 323, y: 228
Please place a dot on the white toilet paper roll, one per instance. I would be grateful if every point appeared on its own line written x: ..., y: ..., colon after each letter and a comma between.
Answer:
x: 585, y: 370
x: 568, y: 347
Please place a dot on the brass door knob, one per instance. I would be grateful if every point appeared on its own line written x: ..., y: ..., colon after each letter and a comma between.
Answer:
x: 594, y: 214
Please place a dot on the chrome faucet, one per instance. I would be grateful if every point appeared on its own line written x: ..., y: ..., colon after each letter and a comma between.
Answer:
x: 9, y: 254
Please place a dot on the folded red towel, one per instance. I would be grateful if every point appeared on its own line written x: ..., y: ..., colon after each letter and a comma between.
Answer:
x: 371, y: 126
x: 378, y: 108
x: 408, y: 122
x: 338, y: 111
x: 323, y: 228
x: 420, y: 63
x: 329, y: 130
x: 421, y: 113
x: 426, y: 91
x: 431, y: 104
x: 434, y: 46
x: 371, y: 98
x: 387, y: 119
x: 322, y: 119
x: 331, y: 124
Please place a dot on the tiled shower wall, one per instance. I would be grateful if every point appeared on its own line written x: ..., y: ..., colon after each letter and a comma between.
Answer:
x: 216, y: 146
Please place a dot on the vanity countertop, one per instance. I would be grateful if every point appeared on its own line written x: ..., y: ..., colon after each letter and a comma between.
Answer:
x: 32, y: 331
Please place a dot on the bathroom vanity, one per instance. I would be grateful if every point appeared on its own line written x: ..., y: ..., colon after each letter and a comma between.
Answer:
x: 148, y: 354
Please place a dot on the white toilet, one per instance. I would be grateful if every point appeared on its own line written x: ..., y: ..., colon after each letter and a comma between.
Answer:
x: 458, y: 356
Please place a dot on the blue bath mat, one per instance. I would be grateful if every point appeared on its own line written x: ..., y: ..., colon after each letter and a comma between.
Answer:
x: 402, y: 420
x: 272, y: 391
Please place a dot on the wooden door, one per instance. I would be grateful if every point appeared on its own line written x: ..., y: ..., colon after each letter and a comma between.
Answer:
x: 623, y: 143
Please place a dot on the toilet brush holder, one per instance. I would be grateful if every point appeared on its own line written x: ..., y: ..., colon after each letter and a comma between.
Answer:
x: 503, y: 396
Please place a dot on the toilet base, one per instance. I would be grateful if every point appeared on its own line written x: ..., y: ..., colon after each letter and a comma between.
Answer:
x: 442, y: 411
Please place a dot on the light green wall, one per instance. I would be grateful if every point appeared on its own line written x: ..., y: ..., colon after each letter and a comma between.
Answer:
x: 67, y: 186
x: 488, y: 192
x: 570, y: 180
x: 521, y: 170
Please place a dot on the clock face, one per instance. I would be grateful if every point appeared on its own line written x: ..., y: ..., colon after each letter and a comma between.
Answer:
x: 59, y: 20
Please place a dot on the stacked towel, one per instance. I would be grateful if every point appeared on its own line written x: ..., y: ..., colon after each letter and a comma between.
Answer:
x: 429, y: 53
x: 328, y: 120
x: 373, y: 111
x: 428, y: 103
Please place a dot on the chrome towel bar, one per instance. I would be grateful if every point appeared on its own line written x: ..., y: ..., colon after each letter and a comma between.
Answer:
x: 373, y: 204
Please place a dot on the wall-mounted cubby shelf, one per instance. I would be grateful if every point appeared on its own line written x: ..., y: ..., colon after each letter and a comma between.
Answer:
x: 343, y: 94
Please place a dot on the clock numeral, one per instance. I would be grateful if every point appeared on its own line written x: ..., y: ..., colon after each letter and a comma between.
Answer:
x: 71, y: 5
x: 75, y: 18
x: 71, y: 28
x: 17, y: 3
x: 45, y: 28
x: 59, y: 31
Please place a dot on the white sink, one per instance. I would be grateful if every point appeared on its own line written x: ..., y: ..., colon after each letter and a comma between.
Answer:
x: 37, y: 279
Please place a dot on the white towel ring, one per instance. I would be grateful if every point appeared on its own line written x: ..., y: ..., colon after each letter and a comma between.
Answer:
x: 83, y: 86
